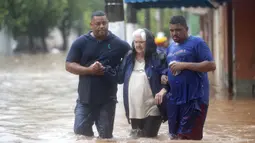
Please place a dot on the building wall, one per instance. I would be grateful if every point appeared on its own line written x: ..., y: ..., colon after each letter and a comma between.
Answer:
x: 232, y: 38
x: 244, y: 45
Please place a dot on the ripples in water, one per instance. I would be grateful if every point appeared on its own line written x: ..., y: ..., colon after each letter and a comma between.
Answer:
x: 37, y: 100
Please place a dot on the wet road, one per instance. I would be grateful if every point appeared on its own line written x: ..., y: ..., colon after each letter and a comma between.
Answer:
x: 37, y: 99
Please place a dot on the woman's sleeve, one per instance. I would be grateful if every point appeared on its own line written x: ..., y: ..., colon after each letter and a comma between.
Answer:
x: 122, y: 68
x: 162, y: 69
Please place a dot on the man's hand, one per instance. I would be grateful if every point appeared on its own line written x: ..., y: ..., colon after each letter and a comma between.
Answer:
x: 159, y: 96
x: 204, y: 66
x: 96, y: 68
x: 164, y: 79
x: 176, y: 67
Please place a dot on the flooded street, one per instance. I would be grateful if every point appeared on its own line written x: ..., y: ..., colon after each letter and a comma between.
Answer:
x: 37, y: 99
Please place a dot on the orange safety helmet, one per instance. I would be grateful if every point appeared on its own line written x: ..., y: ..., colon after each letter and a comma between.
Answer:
x: 160, y: 40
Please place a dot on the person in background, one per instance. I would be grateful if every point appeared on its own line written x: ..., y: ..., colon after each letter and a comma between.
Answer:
x: 95, y: 57
x: 189, y: 59
x: 162, y: 43
x: 140, y: 72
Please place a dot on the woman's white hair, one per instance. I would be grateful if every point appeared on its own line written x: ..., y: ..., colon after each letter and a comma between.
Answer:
x: 139, y: 32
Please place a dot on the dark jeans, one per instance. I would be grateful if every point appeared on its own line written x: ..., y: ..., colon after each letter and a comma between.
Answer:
x: 102, y: 115
x: 149, y: 126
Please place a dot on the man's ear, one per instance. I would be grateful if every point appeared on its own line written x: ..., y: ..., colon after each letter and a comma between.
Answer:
x: 187, y: 28
x: 91, y: 25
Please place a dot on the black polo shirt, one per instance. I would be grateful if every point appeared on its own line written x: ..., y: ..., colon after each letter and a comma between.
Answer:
x: 85, y: 50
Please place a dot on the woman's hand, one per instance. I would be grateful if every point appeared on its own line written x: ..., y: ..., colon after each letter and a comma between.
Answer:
x: 164, y: 79
x: 160, y: 95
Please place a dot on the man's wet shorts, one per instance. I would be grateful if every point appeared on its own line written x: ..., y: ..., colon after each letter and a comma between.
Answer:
x: 186, y: 121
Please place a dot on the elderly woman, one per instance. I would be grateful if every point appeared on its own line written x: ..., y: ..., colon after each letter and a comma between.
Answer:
x: 140, y: 72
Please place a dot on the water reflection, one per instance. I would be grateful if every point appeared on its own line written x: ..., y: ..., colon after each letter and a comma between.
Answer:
x: 37, y: 100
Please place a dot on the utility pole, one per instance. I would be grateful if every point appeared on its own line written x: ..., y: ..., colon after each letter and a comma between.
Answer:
x: 131, y: 22
x: 115, y: 13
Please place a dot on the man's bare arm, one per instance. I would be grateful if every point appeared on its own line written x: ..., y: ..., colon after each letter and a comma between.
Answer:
x: 204, y: 66
x: 77, y: 69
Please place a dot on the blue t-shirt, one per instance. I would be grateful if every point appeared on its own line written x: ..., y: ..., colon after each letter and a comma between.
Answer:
x: 86, y: 50
x: 189, y: 85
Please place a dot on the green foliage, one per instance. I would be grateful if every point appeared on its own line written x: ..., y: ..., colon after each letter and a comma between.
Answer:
x: 34, y: 17
x: 89, y: 7
x: 77, y: 13
x: 194, y: 24
x: 167, y: 13
x: 193, y: 20
x: 37, y: 17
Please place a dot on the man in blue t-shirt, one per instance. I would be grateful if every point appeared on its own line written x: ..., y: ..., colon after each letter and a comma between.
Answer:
x: 189, y: 60
x: 95, y: 57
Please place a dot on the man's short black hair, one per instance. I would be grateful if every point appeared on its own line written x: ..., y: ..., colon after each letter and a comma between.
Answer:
x: 97, y: 13
x: 178, y: 20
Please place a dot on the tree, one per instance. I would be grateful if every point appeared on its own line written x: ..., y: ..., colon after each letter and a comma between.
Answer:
x: 71, y: 15
x: 31, y: 18
x: 76, y: 13
x: 35, y: 18
x: 43, y: 15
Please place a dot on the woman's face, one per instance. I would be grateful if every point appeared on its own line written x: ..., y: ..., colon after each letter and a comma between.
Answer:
x: 140, y: 44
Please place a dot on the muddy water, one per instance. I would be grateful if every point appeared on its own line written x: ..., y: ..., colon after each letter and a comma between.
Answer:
x: 37, y: 99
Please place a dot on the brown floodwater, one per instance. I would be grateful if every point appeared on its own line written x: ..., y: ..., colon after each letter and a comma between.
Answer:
x: 37, y: 99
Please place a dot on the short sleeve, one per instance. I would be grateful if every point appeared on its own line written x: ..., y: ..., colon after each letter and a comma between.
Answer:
x: 203, y: 52
x: 75, y: 53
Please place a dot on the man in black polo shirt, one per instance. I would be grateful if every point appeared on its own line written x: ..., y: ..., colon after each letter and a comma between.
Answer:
x: 95, y: 57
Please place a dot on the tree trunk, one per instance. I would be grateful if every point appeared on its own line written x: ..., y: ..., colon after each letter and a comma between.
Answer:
x: 147, y: 19
x: 31, y: 43
x: 43, y: 39
x: 44, y: 45
x: 80, y: 29
x: 161, y: 21
x: 65, y: 40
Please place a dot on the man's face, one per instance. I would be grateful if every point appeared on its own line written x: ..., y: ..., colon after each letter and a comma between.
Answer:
x: 178, y: 32
x: 99, y: 26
